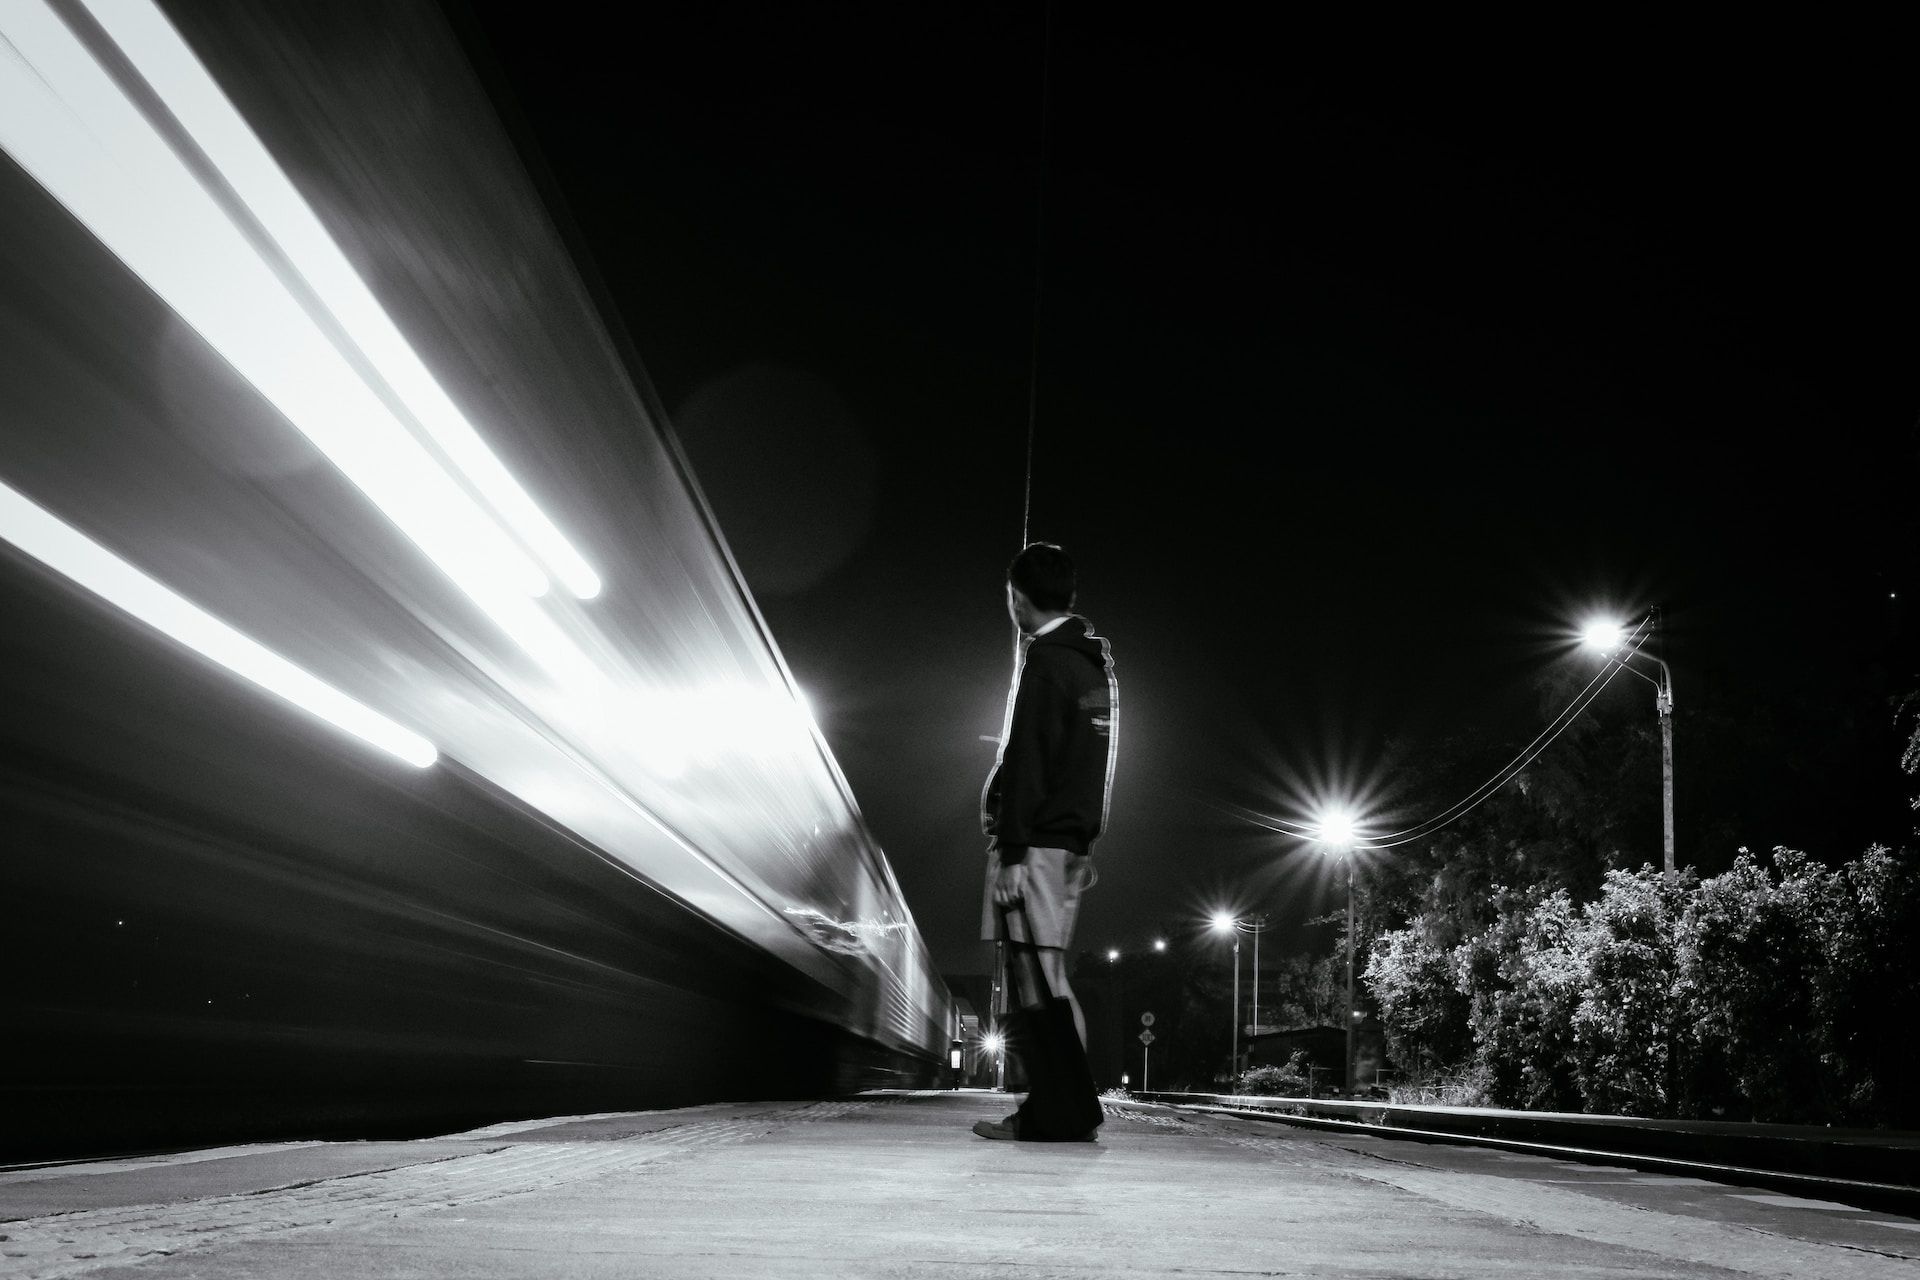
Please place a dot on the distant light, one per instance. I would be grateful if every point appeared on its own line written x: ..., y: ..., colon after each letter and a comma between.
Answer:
x: 66, y: 550
x: 993, y: 1042
x: 1113, y: 953
x: 1159, y: 944
x: 1603, y: 635
x: 1125, y: 1078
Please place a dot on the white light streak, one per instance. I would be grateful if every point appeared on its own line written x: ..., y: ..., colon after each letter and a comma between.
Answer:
x: 66, y: 122
x: 67, y: 551
x: 170, y: 67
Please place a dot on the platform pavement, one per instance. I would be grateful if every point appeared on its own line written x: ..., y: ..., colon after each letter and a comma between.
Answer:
x: 895, y: 1185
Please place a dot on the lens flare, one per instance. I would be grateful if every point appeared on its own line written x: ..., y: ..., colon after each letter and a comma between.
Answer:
x: 1603, y: 635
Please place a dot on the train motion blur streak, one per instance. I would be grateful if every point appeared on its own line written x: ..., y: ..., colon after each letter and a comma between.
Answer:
x: 298, y: 370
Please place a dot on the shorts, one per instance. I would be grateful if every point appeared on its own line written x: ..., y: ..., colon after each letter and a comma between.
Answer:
x: 1055, y: 882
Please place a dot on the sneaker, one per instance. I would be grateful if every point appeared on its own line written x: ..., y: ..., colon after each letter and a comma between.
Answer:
x: 1007, y: 1130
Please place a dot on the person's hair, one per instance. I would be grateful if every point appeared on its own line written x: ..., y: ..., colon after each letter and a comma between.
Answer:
x: 1044, y: 575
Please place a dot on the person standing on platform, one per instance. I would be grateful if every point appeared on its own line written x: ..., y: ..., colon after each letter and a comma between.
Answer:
x: 1045, y: 803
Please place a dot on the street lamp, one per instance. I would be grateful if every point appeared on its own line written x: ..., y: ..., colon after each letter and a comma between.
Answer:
x: 995, y: 1044
x: 1607, y: 638
x: 1337, y: 835
x: 1255, y: 925
x: 1221, y: 923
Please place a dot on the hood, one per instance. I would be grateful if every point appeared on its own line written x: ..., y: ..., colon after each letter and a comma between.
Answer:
x: 1076, y: 633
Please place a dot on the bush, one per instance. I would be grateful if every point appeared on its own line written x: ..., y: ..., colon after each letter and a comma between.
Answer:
x: 1776, y: 991
x: 1423, y: 1012
x: 1627, y: 1022
x: 1289, y: 1081
x: 1523, y: 981
x: 1441, y: 1091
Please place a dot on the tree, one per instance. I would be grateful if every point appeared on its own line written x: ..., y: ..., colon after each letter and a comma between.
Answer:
x: 1873, y: 990
x: 1625, y: 1024
x: 1522, y: 985
x: 1423, y: 1011
x: 1752, y: 965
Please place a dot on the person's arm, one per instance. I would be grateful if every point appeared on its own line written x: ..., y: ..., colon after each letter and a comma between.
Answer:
x: 990, y: 803
x: 1024, y: 764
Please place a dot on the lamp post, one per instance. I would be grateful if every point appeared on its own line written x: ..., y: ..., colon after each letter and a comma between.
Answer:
x: 1113, y: 998
x: 1337, y: 835
x: 1223, y: 922
x: 1255, y: 925
x: 994, y: 1042
x: 1607, y: 638
x: 1349, y: 1056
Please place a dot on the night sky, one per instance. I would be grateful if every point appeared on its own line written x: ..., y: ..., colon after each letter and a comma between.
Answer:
x: 1361, y: 383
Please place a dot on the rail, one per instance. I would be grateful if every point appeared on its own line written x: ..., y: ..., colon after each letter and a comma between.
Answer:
x: 1874, y: 1168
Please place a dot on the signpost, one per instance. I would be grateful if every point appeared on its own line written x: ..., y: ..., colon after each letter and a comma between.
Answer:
x: 1146, y: 1049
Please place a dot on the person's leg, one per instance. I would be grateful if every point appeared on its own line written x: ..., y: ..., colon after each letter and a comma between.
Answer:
x: 1053, y: 963
x: 1075, y: 878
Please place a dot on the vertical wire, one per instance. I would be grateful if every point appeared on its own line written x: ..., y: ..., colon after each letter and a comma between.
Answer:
x: 1039, y: 266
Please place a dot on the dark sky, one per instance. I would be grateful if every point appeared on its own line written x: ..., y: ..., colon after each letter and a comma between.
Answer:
x: 1360, y: 383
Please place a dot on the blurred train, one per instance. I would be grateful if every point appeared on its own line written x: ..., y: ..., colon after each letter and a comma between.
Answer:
x: 389, y: 741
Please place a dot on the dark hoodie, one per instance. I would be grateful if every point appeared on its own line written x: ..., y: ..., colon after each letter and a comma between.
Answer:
x: 1051, y: 784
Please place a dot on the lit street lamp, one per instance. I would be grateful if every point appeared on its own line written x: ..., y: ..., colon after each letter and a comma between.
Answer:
x: 1607, y: 638
x: 1221, y: 923
x: 995, y: 1044
x: 1255, y: 925
x: 1336, y: 833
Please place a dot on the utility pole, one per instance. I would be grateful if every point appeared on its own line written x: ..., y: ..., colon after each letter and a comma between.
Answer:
x: 1663, y: 701
x: 1233, y: 1067
x: 1349, y: 975
x: 1607, y: 638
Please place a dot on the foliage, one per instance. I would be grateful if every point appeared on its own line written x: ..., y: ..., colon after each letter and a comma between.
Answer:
x: 1752, y: 966
x: 1769, y: 991
x: 1441, y: 1091
x: 1304, y: 991
x: 1522, y: 981
x: 1873, y: 994
x: 1422, y: 1011
x: 1288, y: 1081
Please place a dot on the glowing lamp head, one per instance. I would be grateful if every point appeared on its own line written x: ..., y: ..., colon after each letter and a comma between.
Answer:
x: 1222, y: 922
x: 1159, y: 944
x: 1113, y: 953
x: 1602, y: 635
x: 993, y: 1042
x: 1336, y: 829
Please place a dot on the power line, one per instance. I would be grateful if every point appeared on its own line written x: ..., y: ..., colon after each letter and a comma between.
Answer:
x: 1527, y: 755
x: 1039, y: 265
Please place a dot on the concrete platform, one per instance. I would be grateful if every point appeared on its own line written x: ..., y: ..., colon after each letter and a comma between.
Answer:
x: 895, y: 1185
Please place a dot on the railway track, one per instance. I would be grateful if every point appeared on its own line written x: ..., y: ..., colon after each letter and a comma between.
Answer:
x: 1871, y: 1168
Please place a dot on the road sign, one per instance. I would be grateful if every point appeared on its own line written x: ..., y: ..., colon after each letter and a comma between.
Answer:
x: 1146, y: 1037
x: 1146, y: 1019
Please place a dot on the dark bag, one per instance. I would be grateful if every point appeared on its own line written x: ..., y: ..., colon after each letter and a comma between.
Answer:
x: 1062, y: 1104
